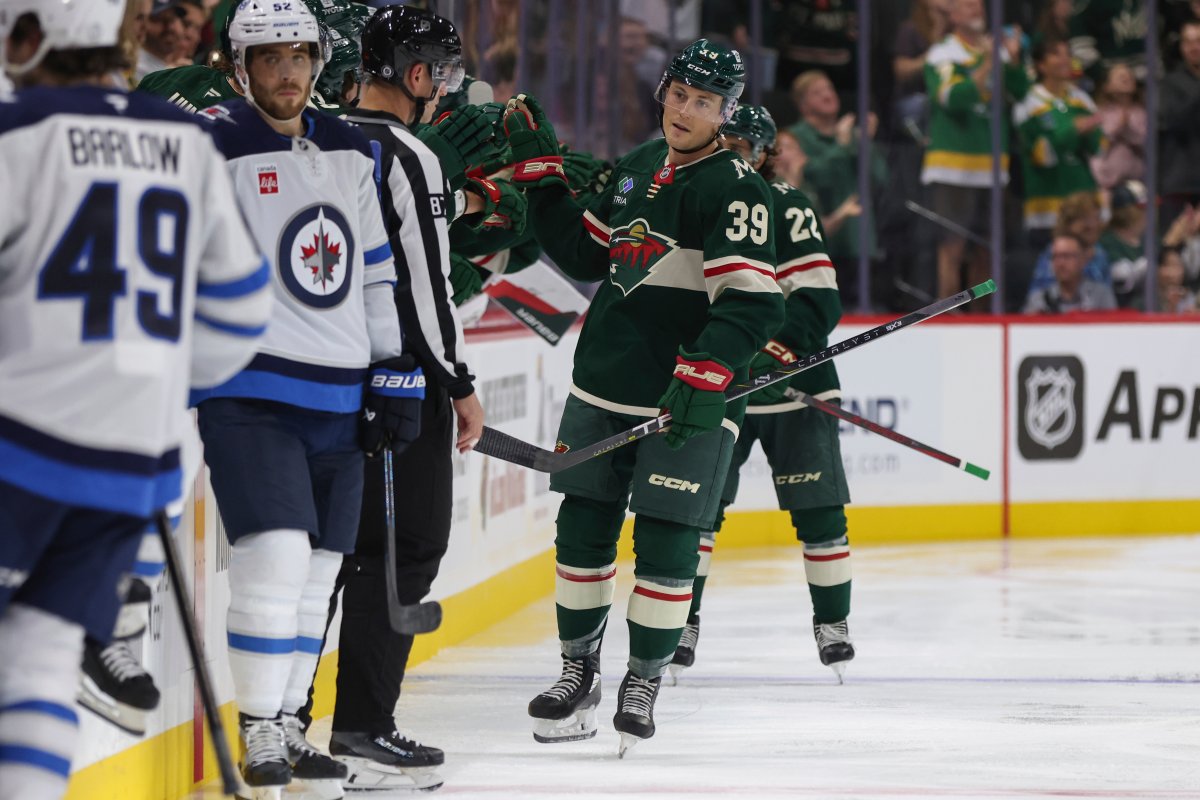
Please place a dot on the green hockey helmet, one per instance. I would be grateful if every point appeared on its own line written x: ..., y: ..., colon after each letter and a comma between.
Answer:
x: 711, y: 67
x: 755, y: 125
x: 344, y: 56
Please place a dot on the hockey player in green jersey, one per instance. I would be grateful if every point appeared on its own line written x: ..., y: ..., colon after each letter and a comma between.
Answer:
x: 800, y: 442
x: 681, y: 241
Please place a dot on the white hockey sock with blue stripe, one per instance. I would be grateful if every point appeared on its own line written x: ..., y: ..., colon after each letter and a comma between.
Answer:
x: 314, y: 611
x: 267, y: 573
x: 39, y: 675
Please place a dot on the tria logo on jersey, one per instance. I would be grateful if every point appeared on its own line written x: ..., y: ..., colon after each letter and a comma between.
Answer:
x: 633, y: 252
x: 316, y: 255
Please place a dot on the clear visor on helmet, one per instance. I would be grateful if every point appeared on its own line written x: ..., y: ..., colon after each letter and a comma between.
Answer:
x: 695, y: 102
x: 450, y: 73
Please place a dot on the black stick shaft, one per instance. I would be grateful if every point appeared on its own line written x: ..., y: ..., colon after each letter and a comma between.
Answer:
x: 216, y: 729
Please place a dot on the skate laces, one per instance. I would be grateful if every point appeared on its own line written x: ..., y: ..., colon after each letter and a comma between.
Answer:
x: 265, y: 741
x: 119, y: 661
x: 293, y: 736
x: 567, y: 683
x: 691, y: 634
x: 832, y: 633
x: 639, y: 695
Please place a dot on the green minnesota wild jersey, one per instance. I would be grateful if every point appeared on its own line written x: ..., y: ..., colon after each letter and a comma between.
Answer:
x: 685, y: 257
x: 191, y: 88
x: 960, y: 133
x: 813, y: 304
x: 1056, y: 154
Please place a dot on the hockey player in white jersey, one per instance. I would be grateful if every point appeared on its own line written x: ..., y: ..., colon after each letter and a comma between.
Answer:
x: 282, y: 438
x: 126, y: 274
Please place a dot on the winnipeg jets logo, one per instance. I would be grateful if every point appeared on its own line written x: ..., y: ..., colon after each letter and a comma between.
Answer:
x: 633, y: 253
x: 316, y: 256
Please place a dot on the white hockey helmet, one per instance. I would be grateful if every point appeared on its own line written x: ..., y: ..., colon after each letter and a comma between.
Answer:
x: 262, y: 22
x: 65, y: 24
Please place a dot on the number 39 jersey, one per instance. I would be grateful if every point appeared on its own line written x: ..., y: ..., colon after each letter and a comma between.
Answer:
x: 685, y: 256
x: 126, y: 275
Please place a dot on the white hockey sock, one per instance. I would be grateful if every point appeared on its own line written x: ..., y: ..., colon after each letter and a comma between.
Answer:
x: 314, y: 611
x: 827, y: 563
x: 267, y: 572
x: 708, y: 540
x: 39, y: 675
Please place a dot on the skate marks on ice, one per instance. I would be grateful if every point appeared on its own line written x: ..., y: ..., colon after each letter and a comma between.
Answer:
x: 1037, y: 670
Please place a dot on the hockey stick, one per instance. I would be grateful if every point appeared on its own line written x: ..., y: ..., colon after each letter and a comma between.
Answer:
x: 509, y: 448
x: 216, y: 730
x: 408, y: 619
x: 948, y: 224
x: 836, y: 410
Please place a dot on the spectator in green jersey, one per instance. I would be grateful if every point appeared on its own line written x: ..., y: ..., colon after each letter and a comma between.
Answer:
x: 1059, y: 132
x: 1124, y: 242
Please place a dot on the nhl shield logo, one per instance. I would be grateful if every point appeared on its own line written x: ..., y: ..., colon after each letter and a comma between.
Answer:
x: 1049, y: 415
x: 1050, y: 407
x: 316, y: 256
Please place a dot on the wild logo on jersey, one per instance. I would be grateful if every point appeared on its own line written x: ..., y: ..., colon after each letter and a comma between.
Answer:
x: 633, y: 252
x: 316, y: 254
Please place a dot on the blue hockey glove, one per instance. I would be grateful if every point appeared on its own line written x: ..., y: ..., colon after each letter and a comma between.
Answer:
x: 392, y: 405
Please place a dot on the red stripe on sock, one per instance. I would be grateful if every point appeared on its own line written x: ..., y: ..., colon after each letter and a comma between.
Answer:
x: 833, y: 557
x: 704, y: 548
x: 671, y: 598
x: 584, y: 578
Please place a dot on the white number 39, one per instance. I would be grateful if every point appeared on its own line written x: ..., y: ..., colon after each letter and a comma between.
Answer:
x: 757, y: 218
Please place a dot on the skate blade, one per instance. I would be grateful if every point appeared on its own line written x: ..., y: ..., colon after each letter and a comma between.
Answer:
x: 127, y: 718
x: 839, y: 669
x: 330, y: 789
x: 575, y: 728
x: 245, y: 792
x: 369, y: 778
x: 628, y: 740
x: 674, y: 671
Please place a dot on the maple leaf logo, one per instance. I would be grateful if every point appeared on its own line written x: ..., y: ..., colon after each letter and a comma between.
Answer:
x: 322, y: 257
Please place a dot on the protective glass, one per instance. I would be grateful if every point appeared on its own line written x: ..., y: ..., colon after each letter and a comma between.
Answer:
x: 695, y: 103
x: 450, y: 73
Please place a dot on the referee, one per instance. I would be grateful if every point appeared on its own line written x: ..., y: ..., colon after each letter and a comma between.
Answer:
x: 410, y: 58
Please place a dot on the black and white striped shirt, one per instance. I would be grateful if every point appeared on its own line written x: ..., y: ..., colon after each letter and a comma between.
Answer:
x: 413, y: 194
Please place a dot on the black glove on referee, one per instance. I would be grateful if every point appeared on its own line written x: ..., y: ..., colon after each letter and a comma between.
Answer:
x: 392, y: 405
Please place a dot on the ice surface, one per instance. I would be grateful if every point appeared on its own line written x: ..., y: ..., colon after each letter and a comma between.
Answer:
x: 1030, y: 669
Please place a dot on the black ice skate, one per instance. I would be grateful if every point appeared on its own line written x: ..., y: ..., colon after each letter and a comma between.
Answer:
x: 321, y: 775
x: 566, y: 712
x: 635, y: 710
x: 114, y: 686
x: 685, y: 654
x: 380, y: 763
x: 266, y: 771
x: 834, y: 645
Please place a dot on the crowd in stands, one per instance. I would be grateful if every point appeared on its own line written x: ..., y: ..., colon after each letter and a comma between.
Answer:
x: 1074, y: 130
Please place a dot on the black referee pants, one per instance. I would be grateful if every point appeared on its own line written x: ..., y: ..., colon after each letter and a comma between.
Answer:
x: 371, y: 656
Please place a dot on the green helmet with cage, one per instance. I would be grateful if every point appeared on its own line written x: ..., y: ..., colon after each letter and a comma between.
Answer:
x: 755, y: 125
x: 711, y: 67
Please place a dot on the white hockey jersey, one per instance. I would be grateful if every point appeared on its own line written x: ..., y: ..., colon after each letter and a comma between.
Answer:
x: 119, y: 233
x: 313, y: 206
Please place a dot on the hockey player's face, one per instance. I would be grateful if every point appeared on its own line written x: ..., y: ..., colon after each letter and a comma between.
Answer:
x: 690, y: 116
x: 743, y: 148
x: 280, y: 77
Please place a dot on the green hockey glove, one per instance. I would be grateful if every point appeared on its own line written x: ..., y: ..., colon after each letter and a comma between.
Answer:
x: 536, y: 159
x: 465, y: 280
x: 454, y: 167
x: 504, y: 204
x: 769, y: 359
x: 695, y: 396
x: 586, y: 174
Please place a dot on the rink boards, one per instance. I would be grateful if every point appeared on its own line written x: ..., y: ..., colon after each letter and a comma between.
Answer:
x: 1087, y: 428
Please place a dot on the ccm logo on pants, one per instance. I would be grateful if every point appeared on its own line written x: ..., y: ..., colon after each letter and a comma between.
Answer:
x: 803, y: 477
x: 674, y: 483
